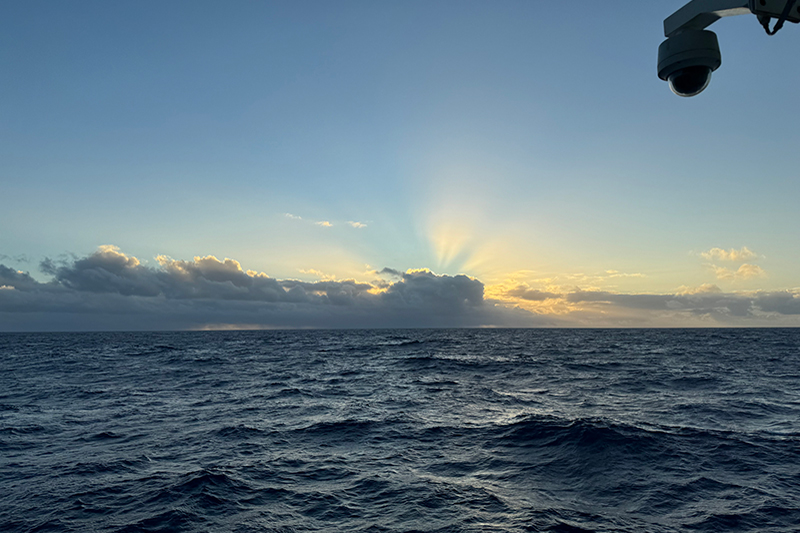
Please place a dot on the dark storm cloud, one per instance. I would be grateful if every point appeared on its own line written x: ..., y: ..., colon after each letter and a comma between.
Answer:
x: 111, y: 290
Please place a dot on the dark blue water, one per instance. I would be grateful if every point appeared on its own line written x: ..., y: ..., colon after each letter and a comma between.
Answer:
x: 420, y: 430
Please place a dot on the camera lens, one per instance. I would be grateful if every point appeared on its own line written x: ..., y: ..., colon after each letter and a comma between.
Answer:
x: 689, y: 81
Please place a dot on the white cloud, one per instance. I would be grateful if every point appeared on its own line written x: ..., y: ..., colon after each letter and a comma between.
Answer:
x: 744, y: 254
x: 324, y: 224
x: 617, y: 274
x: 357, y: 225
x: 318, y: 273
x: 705, y: 288
x: 745, y: 271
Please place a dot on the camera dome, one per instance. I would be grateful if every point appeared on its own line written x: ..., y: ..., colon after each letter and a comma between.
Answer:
x: 687, y: 59
x: 689, y: 81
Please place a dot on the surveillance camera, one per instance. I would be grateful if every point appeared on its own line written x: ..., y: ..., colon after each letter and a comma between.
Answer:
x: 690, y: 54
x: 687, y: 59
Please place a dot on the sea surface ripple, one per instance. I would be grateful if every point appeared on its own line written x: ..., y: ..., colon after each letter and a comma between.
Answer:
x: 401, y: 431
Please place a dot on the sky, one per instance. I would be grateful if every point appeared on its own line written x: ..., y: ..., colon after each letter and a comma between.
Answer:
x: 349, y: 164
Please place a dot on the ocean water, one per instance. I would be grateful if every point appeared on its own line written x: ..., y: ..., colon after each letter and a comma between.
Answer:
x: 401, y: 430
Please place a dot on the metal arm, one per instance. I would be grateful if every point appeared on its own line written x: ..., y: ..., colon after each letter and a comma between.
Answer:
x: 699, y: 14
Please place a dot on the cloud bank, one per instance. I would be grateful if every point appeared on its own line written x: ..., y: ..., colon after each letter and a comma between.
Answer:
x: 706, y: 305
x: 110, y: 290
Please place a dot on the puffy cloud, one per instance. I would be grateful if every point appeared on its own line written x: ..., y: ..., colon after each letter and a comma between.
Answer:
x: 744, y: 254
x: 357, y: 225
x: 705, y: 288
x: 106, y: 270
x: 748, y: 271
x: 745, y: 271
x: 324, y: 224
x: 423, y: 288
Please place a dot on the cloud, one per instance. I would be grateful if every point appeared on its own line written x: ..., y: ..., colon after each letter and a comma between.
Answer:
x: 700, y: 303
x: 703, y: 305
x: 524, y: 292
x: 781, y: 302
x: 423, y: 288
x: 744, y: 254
x: 106, y: 270
x: 617, y: 274
x: 109, y: 289
x: 745, y: 271
x: 391, y: 272
x: 10, y: 277
x: 16, y: 259
x: 318, y: 273
x: 326, y: 223
x: 705, y: 288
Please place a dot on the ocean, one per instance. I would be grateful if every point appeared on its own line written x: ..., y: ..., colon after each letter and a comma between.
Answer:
x: 476, y: 430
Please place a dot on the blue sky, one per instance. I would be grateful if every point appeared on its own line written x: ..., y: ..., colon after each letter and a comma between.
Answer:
x: 527, y: 146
